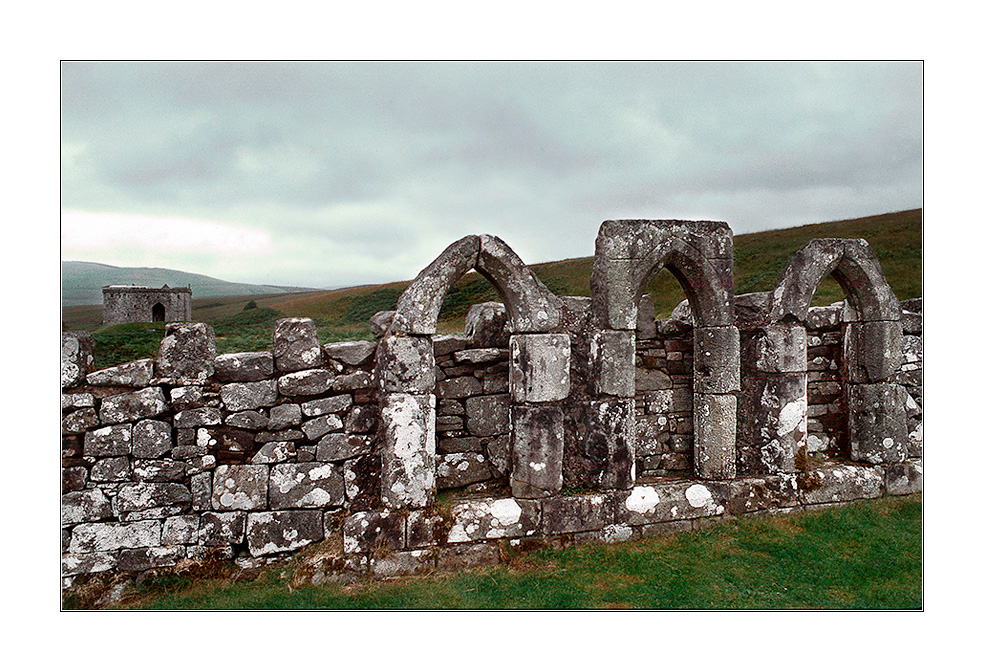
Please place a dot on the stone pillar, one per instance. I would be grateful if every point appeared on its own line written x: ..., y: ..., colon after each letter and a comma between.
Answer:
x: 539, y: 378
x: 716, y: 377
x: 611, y: 419
x: 780, y: 358
x: 405, y: 374
x: 876, y: 403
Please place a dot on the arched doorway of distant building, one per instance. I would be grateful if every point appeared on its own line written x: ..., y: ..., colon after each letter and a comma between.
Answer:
x: 157, y: 312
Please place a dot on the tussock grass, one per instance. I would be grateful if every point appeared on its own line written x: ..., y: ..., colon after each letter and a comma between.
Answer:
x: 867, y: 555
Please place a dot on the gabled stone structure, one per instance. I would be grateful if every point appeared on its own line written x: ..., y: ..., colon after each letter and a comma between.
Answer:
x: 555, y: 420
x: 130, y: 303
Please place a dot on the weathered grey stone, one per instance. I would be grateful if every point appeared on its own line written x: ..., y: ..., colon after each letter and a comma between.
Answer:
x: 148, y: 496
x: 362, y: 419
x: 578, y: 513
x: 108, y: 441
x: 111, y: 469
x: 716, y: 360
x: 647, y: 379
x: 459, y: 388
x: 240, y: 487
x: 151, y: 438
x: 456, y: 470
x: 85, y: 506
x: 610, y: 432
x: 335, y: 447
x: 369, y: 531
x: 460, y: 556
x: 295, y: 344
x: 131, y: 374
x: 350, y: 382
x: 180, y: 530
x: 480, y: 355
x: 317, y: 427
x: 844, y: 483
x: 485, y: 325
x: 872, y: 351
x: 408, y: 449
x: 904, y: 478
x: 781, y: 348
x: 538, y: 451
x: 539, y: 367
x: 187, y: 352
x: 488, y: 518
x: 159, y: 470
x: 145, y: 403
x: 403, y: 563
x: 303, y: 383
x: 141, y: 559
x: 87, y: 563
x: 768, y: 493
x: 877, y: 422
x: 652, y: 435
x: 249, y: 396
x: 677, y: 500
x: 77, y: 357
x: 418, y: 307
x: 316, y: 407
x: 825, y: 317
x: 530, y: 306
x: 715, y: 418
x: 72, y: 402
x: 274, y: 452
x: 222, y: 529
x: 352, y: 353
x: 487, y: 415
x: 612, y: 361
x: 380, y: 323
x: 445, y: 344
x: 247, y: 420
x: 405, y: 364
x: 198, y: 417
x: 306, y: 485
x: 186, y: 396
x: 101, y: 537
x: 914, y: 447
x: 80, y: 421
x: 774, y: 420
x: 282, y: 531
x: 646, y: 319
x: 283, y: 416
x: 201, y: 491
x: 244, y: 367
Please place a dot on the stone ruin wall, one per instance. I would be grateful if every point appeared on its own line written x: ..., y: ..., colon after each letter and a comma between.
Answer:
x: 254, y: 456
x: 124, y: 304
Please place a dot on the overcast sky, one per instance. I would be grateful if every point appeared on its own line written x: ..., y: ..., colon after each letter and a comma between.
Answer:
x: 333, y: 174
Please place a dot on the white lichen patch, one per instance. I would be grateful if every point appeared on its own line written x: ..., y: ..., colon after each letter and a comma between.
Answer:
x: 791, y: 416
x: 642, y: 499
x: 698, y: 496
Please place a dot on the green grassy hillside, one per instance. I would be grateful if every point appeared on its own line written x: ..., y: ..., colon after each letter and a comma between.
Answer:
x: 343, y: 314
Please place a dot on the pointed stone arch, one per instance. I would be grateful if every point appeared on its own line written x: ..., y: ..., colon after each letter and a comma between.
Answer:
x: 157, y: 312
x: 628, y: 254
x: 871, y: 355
x: 539, y: 374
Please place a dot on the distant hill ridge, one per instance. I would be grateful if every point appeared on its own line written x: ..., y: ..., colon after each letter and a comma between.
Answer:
x: 82, y: 282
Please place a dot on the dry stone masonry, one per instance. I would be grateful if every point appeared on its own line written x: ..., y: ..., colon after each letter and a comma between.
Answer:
x: 551, y: 420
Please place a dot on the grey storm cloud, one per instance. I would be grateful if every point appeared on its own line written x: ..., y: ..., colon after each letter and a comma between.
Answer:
x: 378, y: 166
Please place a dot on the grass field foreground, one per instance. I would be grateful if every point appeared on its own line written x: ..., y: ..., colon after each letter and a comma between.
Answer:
x: 866, y: 555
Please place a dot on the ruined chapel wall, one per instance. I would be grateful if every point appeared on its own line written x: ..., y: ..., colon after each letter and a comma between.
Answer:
x: 122, y: 305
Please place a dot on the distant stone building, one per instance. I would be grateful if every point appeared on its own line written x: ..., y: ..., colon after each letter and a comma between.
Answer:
x: 127, y: 303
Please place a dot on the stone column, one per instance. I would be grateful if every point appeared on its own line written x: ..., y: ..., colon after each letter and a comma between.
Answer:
x: 405, y: 374
x: 876, y: 403
x: 716, y: 377
x: 539, y: 378
x: 780, y: 359
x: 611, y: 415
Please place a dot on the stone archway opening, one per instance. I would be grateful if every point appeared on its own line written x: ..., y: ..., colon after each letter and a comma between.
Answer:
x: 157, y: 312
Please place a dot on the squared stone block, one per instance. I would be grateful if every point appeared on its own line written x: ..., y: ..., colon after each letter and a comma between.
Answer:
x: 488, y: 518
x: 487, y: 415
x: 905, y: 478
x: 149, y: 496
x: 145, y: 403
x: 187, y: 352
x: 611, y: 432
x: 678, y: 500
x: 578, y: 513
x: 456, y: 470
x: 872, y: 351
x: 405, y: 364
x: 538, y: 451
x: 222, y: 529
x: 844, y: 483
x: 306, y: 485
x: 249, y: 396
x: 774, y: 422
x: 877, y: 422
x: 241, y: 487
x: 151, y: 438
x: 612, y: 357
x: 715, y: 419
x: 305, y: 383
x: 369, y: 531
x: 716, y: 360
x: 781, y: 348
x: 282, y: 531
x: 295, y: 344
x: 539, y: 367
x: 244, y: 367
x: 408, y: 446
x: 101, y: 537
x: 108, y: 441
